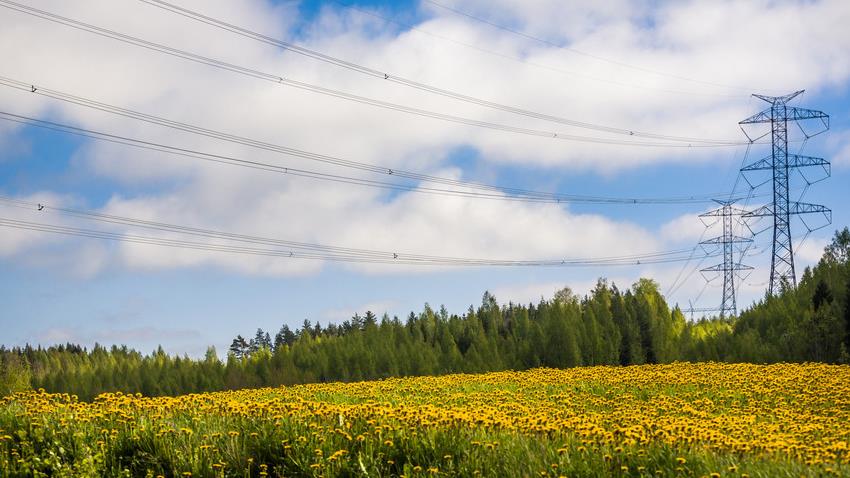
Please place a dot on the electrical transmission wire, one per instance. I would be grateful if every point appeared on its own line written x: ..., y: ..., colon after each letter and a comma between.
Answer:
x: 470, y: 189
x: 259, y: 165
x: 676, y: 140
x: 398, y: 79
x: 676, y: 285
x: 583, y: 53
x: 481, y: 124
x: 504, y: 56
x: 383, y: 170
x: 247, y: 244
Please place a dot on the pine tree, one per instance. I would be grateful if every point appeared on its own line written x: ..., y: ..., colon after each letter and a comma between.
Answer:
x: 822, y: 295
x: 306, y: 328
x: 370, y: 321
x: 356, y: 322
x: 239, y: 347
x: 261, y: 340
x: 285, y: 336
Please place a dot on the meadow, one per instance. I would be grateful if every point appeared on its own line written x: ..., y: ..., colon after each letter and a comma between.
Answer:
x: 680, y: 419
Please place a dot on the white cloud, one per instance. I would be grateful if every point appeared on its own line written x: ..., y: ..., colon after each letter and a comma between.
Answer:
x: 685, y: 229
x: 683, y: 38
x: 809, y: 252
x: 16, y: 240
x: 838, y: 145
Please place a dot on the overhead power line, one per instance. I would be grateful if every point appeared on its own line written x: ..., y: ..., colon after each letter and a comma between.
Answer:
x: 481, y: 124
x: 524, y: 61
x: 685, y: 141
x: 245, y: 32
x: 259, y: 165
x: 248, y: 244
x: 377, y: 169
x: 471, y: 190
x: 676, y: 285
x: 584, y: 53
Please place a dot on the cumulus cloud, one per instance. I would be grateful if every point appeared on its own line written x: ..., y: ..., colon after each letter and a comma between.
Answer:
x: 838, y: 145
x: 676, y: 37
x: 685, y: 229
x: 810, y: 251
x: 16, y: 241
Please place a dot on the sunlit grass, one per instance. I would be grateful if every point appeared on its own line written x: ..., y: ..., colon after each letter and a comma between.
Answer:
x: 665, y: 420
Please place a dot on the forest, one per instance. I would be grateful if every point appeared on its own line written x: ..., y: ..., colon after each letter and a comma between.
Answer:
x: 609, y: 326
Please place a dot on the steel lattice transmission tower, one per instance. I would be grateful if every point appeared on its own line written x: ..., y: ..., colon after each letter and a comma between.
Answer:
x: 781, y: 163
x: 727, y: 241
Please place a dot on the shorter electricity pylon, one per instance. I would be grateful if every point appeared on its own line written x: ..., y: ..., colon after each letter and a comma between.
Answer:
x: 726, y: 241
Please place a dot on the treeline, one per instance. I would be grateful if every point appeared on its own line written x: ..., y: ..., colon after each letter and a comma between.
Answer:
x: 609, y: 326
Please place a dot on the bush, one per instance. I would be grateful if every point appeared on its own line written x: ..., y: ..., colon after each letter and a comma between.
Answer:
x: 14, y: 374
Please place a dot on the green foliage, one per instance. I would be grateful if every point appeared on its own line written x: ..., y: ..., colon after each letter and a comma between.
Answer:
x: 807, y: 323
x: 14, y: 374
x: 608, y: 327
x: 681, y: 420
x: 567, y: 331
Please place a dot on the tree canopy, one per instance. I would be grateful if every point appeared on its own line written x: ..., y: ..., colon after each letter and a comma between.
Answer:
x: 609, y: 326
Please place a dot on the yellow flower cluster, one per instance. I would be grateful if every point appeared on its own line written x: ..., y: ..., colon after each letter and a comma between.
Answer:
x: 800, y: 412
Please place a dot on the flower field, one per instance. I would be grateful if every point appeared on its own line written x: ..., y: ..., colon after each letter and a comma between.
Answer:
x: 655, y: 420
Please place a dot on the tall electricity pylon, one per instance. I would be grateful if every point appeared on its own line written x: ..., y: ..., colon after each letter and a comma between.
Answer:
x: 727, y: 241
x: 781, y: 163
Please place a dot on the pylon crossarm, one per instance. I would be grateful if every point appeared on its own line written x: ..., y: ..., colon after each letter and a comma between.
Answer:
x: 724, y: 240
x: 722, y: 268
x: 806, y: 208
x: 760, y: 117
x: 733, y: 211
x: 793, y: 208
x: 764, y: 163
x: 766, y: 210
x: 701, y: 309
x: 800, y: 114
x: 779, y: 100
x: 794, y: 161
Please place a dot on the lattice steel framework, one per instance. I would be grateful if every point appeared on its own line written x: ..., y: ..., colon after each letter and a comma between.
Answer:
x: 727, y: 241
x: 781, y: 163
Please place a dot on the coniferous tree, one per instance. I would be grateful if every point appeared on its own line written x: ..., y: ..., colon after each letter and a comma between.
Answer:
x: 239, y: 347
x: 284, y: 336
x: 369, y: 320
x: 258, y: 342
x: 810, y: 322
x: 822, y: 295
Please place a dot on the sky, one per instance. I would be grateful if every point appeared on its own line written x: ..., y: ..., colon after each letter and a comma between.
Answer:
x: 678, y: 69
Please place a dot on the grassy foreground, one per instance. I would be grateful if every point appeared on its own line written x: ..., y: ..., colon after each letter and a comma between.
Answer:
x: 659, y: 420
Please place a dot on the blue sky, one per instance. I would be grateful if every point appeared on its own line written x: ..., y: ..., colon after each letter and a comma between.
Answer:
x: 57, y: 289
